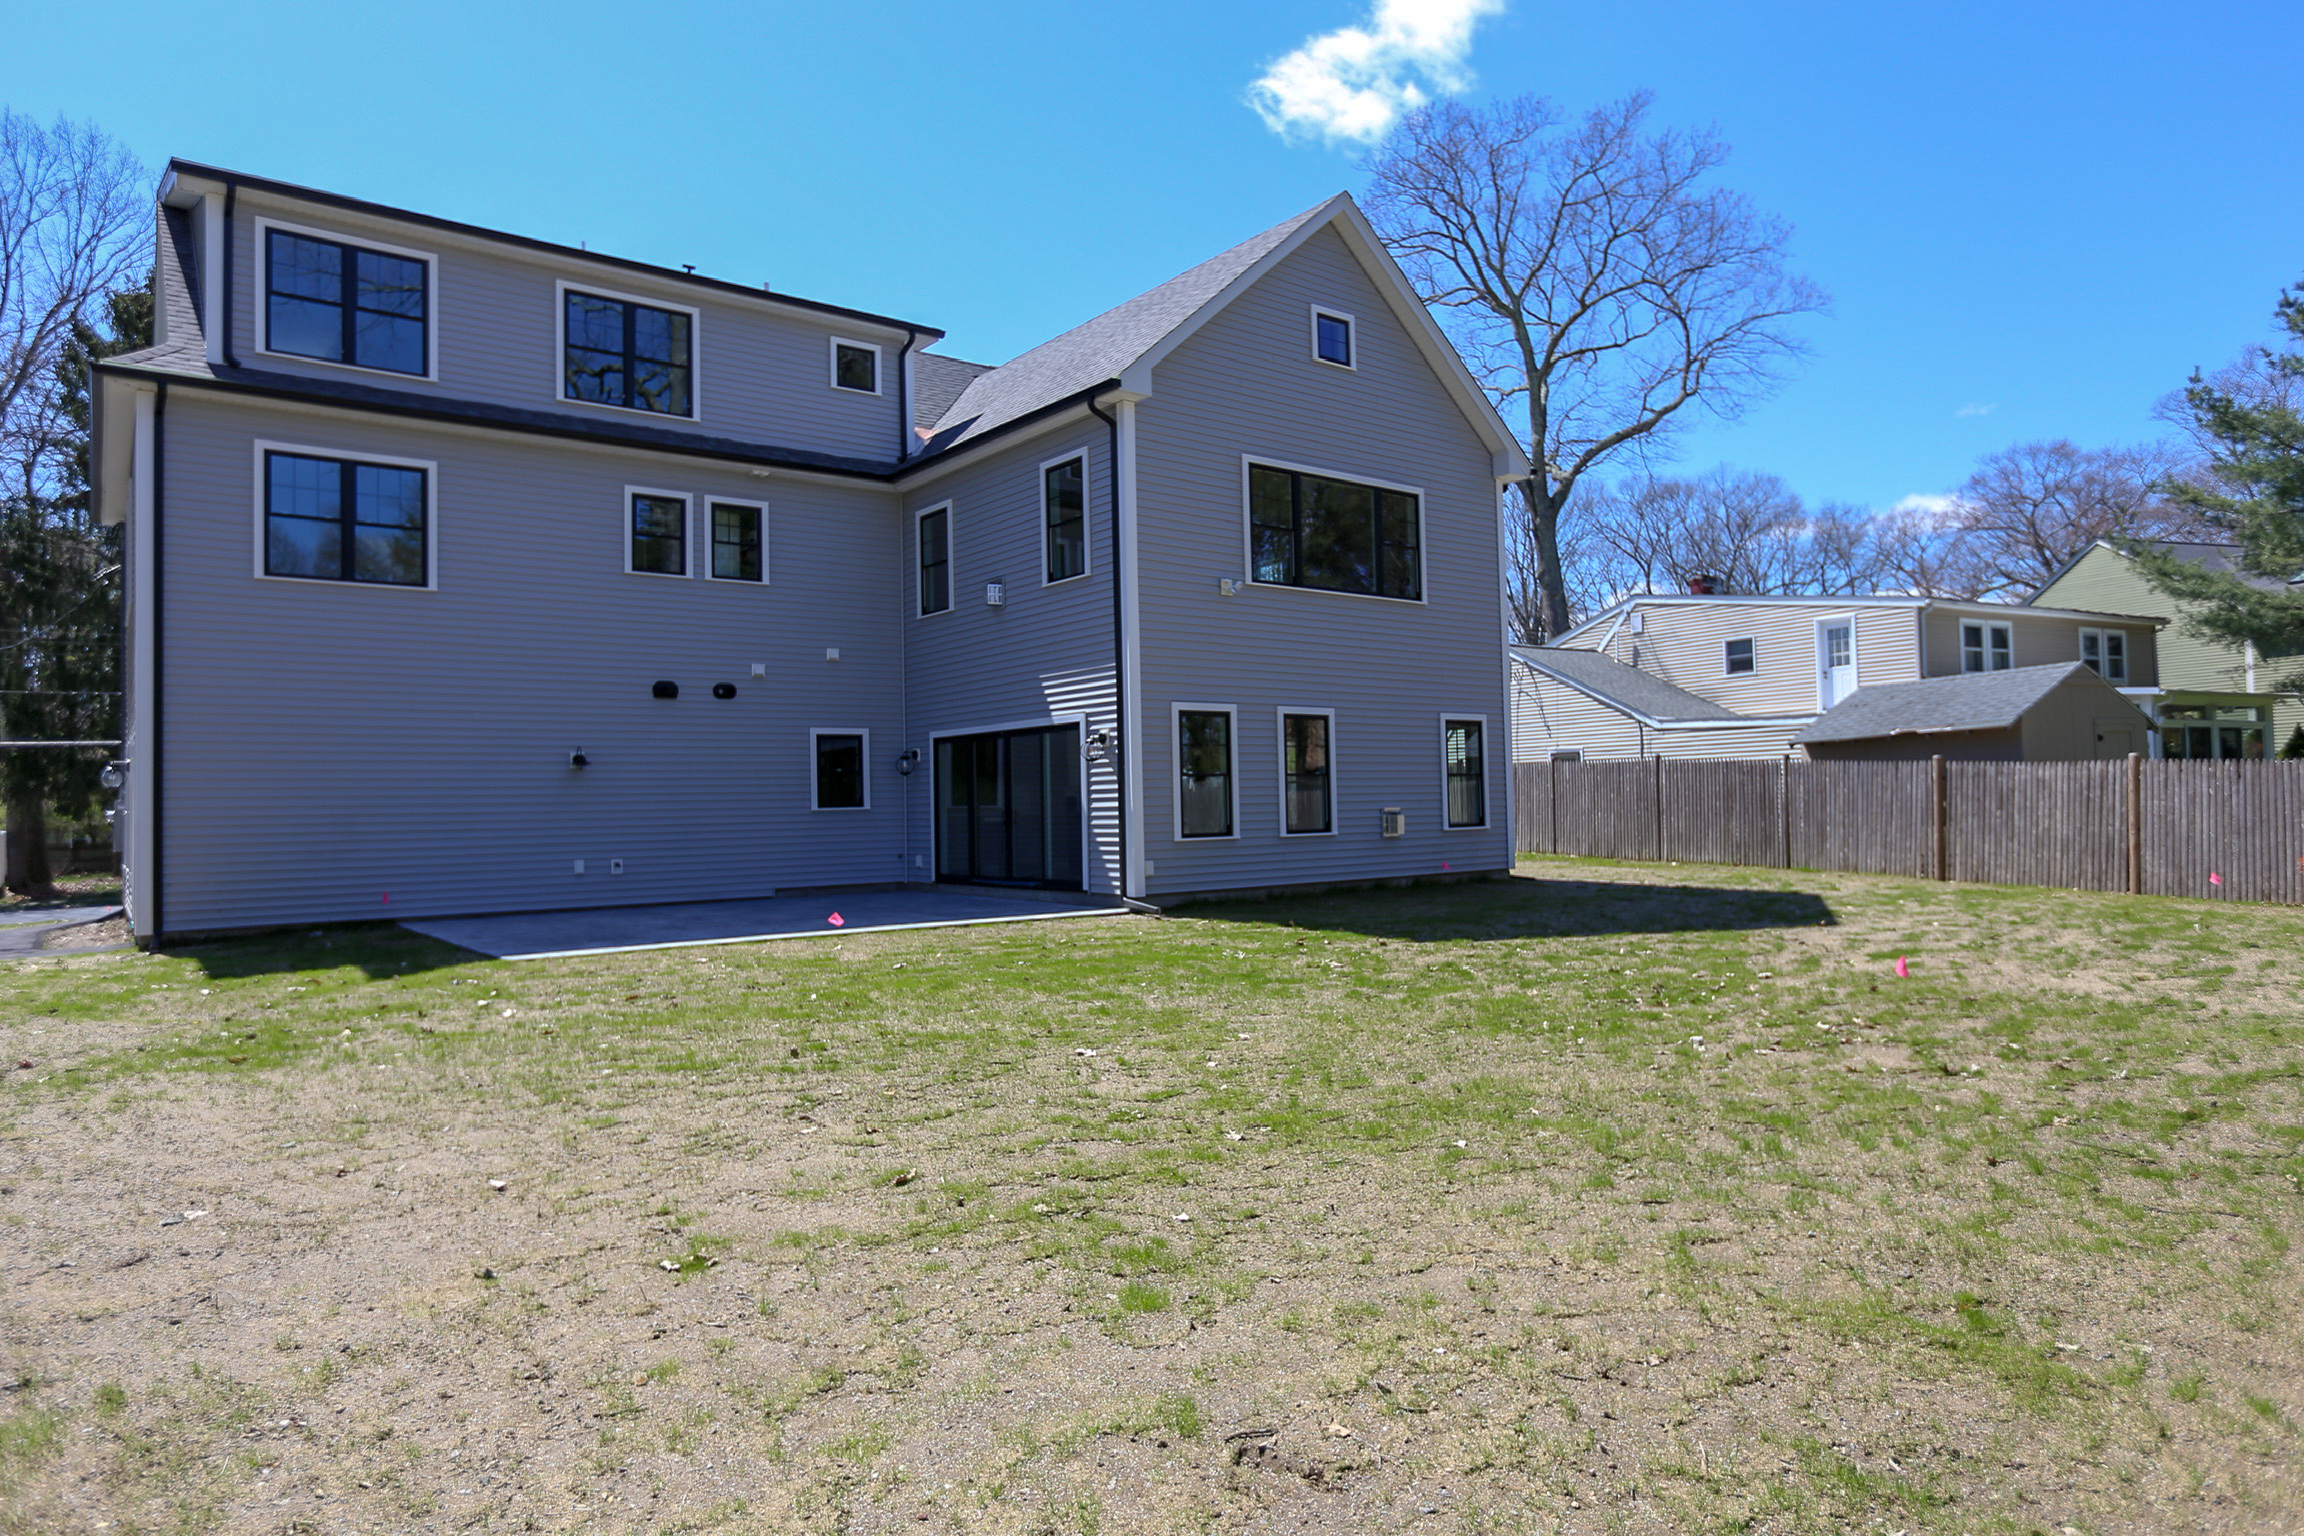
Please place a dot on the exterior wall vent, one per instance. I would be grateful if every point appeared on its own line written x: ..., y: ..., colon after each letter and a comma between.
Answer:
x: 1395, y: 821
x: 723, y: 690
x: 995, y: 594
x: 664, y: 688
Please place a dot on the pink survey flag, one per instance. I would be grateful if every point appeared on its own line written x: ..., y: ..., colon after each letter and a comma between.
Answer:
x: 837, y: 921
x: 1903, y: 966
x: 2215, y: 878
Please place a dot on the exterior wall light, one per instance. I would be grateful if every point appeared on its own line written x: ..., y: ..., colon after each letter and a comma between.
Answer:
x: 113, y: 776
x: 577, y: 759
x: 907, y: 760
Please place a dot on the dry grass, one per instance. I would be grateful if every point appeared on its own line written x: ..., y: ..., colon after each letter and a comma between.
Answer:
x: 887, y: 1232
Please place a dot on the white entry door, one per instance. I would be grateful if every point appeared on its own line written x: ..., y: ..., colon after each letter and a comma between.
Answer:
x: 1835, y: 660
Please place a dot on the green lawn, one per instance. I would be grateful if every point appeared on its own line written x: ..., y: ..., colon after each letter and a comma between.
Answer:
x: 1618, y: 1198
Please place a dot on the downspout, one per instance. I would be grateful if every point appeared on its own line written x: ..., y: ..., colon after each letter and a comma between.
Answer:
x: 904, y: 650
x: 149, y: 752
x: 231, y: 198
x: 1123, y: 742
x: 904, y: 394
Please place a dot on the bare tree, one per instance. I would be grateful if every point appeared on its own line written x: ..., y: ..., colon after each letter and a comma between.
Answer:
x: 2030, y: 510
x: 1594, y: 280
x: 75, y: 214
x: 1745, y: 532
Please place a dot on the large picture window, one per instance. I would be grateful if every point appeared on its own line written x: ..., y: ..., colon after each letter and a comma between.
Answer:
x: 328, y: 519
x: 1308, y: 530
x: 625, y: 353
x: 344, y: 303
x: 1307, y: 796
x: 659, y: 533
x: 1064, y: 512
x: 935, y: 560
x: 1203, y: 773
x: 1465, y: 763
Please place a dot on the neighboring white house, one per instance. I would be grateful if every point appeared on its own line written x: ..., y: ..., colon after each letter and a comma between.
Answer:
x: 1709, y: 676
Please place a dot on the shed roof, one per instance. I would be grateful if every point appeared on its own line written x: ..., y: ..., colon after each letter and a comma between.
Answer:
x: 1968, y: 701
x: 1621, y: 687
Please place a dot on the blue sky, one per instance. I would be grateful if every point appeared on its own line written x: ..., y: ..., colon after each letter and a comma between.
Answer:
x: 2034, y: 219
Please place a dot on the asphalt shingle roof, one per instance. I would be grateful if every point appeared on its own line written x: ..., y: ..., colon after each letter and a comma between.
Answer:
x: 938, y: 381
x: 1628, y: 688
x: 1102, y: 348
x: 1970, y: 701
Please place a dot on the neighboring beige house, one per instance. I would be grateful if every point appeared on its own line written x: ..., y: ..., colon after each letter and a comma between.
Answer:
x: 2215, y: 699
x: 1709, y: 676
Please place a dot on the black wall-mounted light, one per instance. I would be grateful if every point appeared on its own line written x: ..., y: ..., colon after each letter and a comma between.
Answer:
x: 723, y: 690
x: 907, y: 760
x: 664, y: 688
x: 577, y: 759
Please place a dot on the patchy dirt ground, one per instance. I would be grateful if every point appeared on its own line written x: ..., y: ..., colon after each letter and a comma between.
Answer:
x: 1620, y: 1198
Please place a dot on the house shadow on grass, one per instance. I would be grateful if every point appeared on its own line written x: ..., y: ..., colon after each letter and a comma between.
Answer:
x: 1524, y: 908
x: 380, y: 951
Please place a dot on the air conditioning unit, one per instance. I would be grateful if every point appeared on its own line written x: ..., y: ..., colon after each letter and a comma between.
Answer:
x: 1395, y: 821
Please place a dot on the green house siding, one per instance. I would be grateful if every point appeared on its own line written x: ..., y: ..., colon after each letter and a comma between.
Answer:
x: 2194, y: 669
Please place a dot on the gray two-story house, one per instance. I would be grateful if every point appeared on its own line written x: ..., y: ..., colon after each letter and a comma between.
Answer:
x: 471, y: 573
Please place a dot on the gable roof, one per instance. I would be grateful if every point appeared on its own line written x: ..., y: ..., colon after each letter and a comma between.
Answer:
x: 2209, y: 557
x: 1629, y: 691
x: 938, y: 381
x: 1660, y: 601
x: 1121, y: 346
x: 1966, y: 701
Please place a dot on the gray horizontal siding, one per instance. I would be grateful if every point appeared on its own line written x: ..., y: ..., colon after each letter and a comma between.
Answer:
x: 1246, y: 382
x: 328, y: 744
x: 1047, y: 651
x: 761, y: 374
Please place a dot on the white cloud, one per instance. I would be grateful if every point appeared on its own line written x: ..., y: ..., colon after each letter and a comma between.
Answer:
x: 1936, y: 506
x: 1975, y: 410
x: 1353, y: 84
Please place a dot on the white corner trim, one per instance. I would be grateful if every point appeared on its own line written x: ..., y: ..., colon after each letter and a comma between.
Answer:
x: 1131, y: 649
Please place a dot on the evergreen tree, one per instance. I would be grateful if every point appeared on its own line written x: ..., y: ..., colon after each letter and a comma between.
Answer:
x: 2249, y: 421
x: 60, y: 586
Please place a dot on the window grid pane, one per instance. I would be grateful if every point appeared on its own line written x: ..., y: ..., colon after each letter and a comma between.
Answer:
x: 1204, y: 762
x: 632, y: 355
x: 1335, y: 340
x: 1467, y: 774
x: 735, y: 542
x: 659, y: 535
x: 340, y: 303
x: 340, y: 520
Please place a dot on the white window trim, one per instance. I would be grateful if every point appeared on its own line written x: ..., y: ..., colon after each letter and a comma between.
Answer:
x: 260, y: 315
x: 560, y: 351
x: 1487, y: 778
x: 1087, y: 523
x: 1751, y: 671
x: 431, y: 470
x: 705, y: 570
x: 1987, y: 625
x: 1176, y: 714
x: 1352, y: 336
x: 951, y: 562
x: 815, y: 786
x: 1824, y: 656
x: 1249, y: 461
x: 687, y: 531
x: 1280, y: 725
x: 832, y: 365
x: 2104, y: 652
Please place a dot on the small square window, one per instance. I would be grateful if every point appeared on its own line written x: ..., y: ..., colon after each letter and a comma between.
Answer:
x: 856, y: 366
x: 1333, y: 338
x: 659, y: 534
x: 1739, y: 656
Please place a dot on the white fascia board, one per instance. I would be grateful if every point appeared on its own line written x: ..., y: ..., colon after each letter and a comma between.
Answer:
x: 115, y: 454
x: 180, y: 191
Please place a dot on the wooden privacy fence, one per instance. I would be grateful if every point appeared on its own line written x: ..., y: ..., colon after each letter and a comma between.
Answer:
x: 2232, y: 829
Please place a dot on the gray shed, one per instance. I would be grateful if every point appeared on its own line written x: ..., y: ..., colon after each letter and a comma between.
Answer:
x: 2056, y: 713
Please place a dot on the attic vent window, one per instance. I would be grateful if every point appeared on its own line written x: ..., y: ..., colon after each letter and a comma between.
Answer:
x: 1332, y: 337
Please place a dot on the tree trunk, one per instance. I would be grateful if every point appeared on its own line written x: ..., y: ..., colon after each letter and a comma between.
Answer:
x: 28, y: 873
x: 1551, y: 583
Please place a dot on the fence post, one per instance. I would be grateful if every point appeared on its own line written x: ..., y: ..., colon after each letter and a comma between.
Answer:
x: 1941, y: 811
x: 1784, y: 802
x: 1657, y: 795
x: 1551, y: 801
x: 2135, y: 823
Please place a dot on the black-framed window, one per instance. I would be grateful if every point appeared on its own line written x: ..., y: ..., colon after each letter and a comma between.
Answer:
x: 839, y: 771
x: 1064, y: 510
x: 1204, y: 772
x: 633, y: 355
x: 1304, y: 767
x: 343, y: 303
x: 659, y: 534
x: 1336, y: 535
x: 343, y: 520
x: 736, y: 541
x: 936, y: 560
x: 1740, y: 658
x: 1987, y: 647
x: 1333, y: 338
x: 856, y: 367
x: 1467, y: 765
